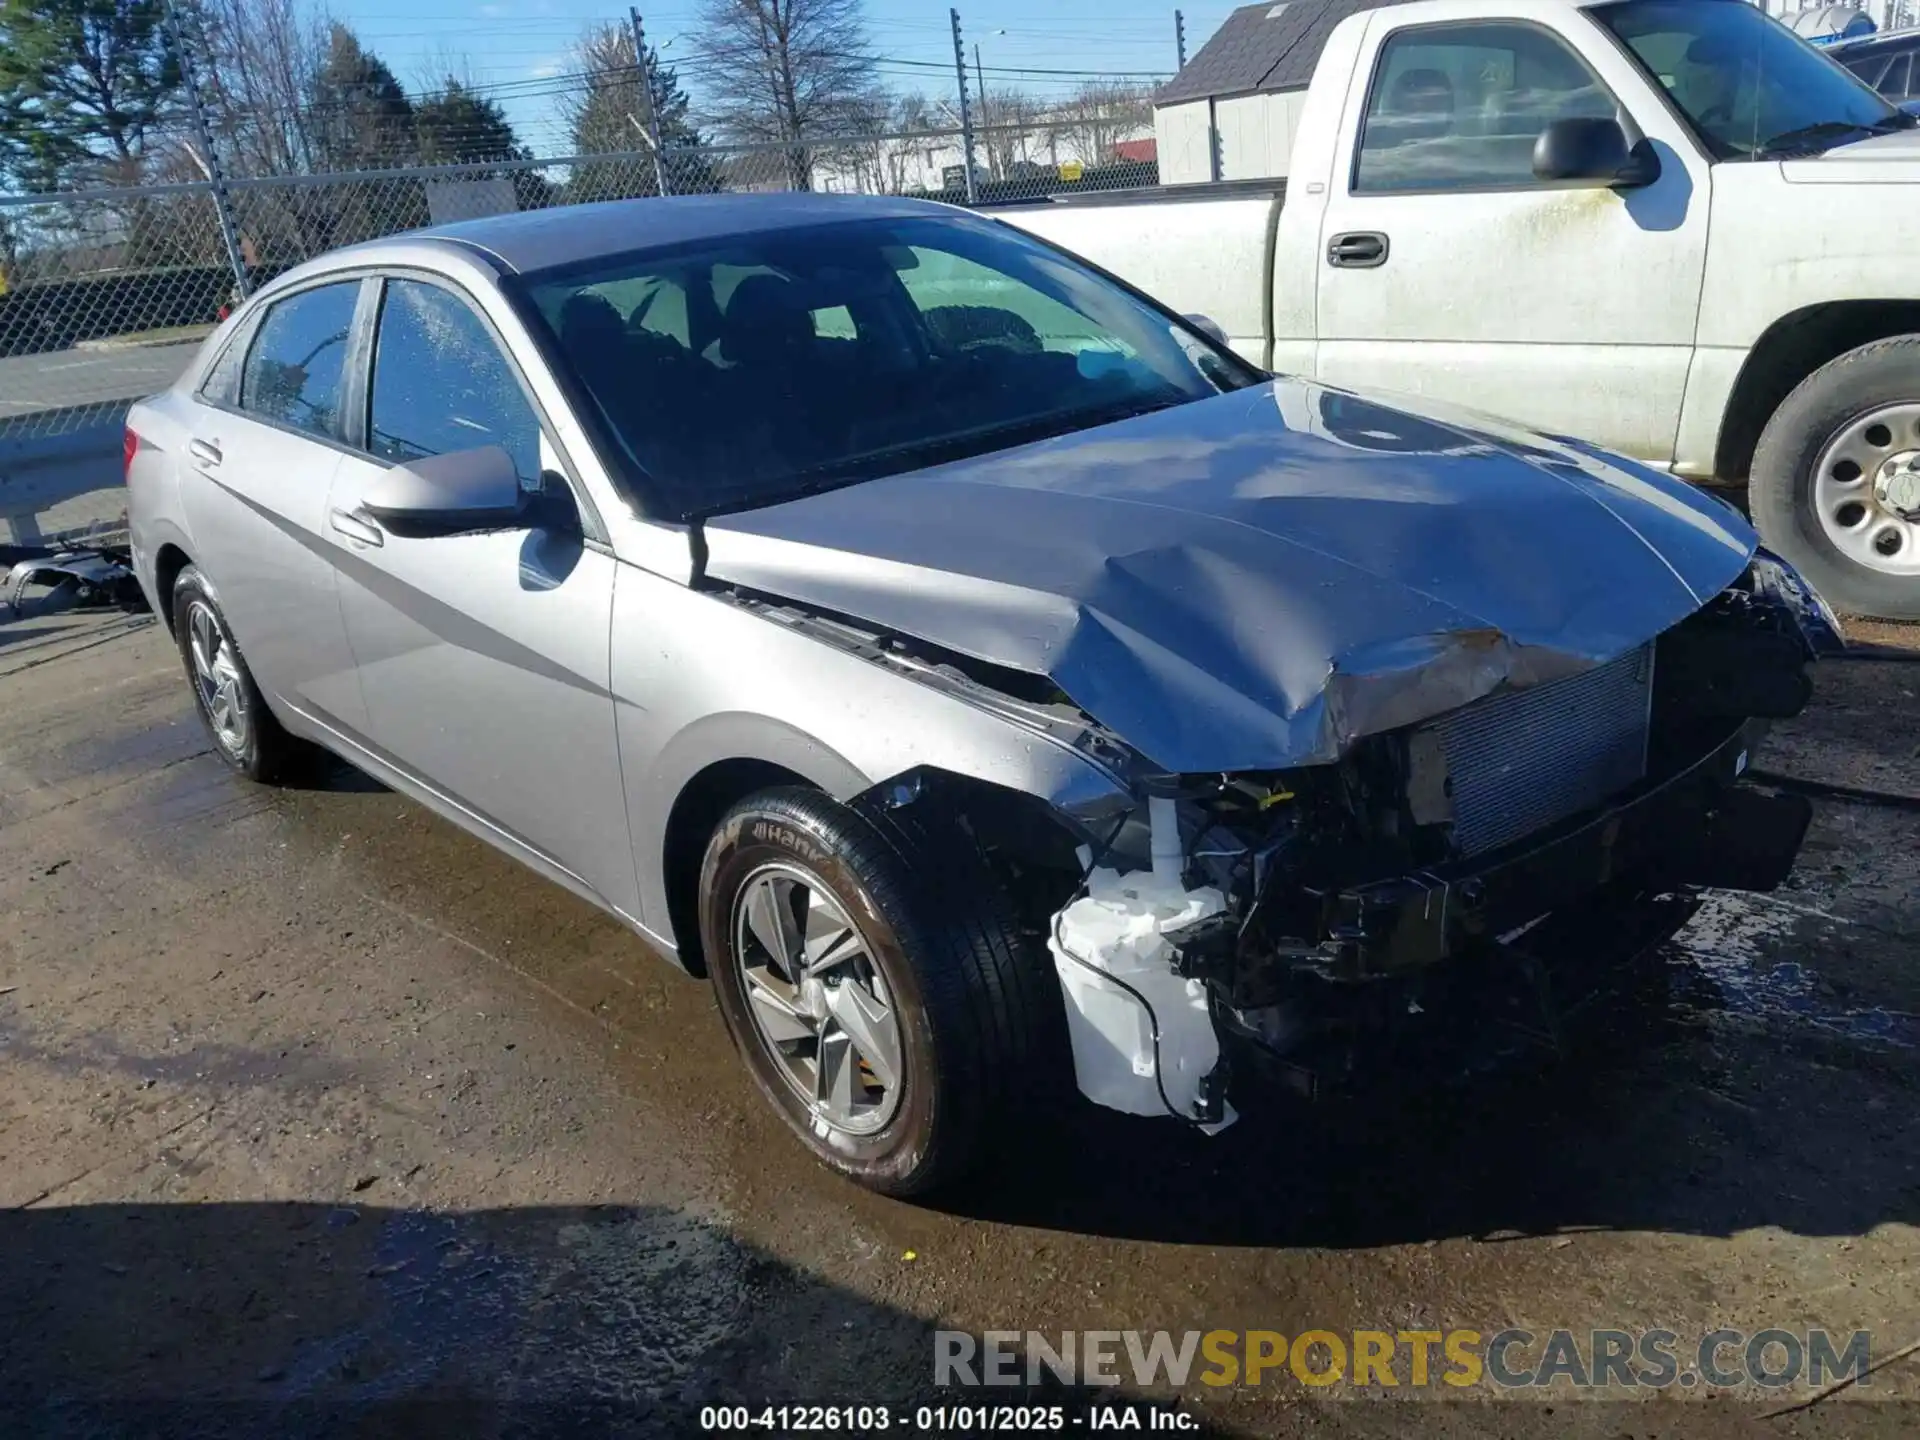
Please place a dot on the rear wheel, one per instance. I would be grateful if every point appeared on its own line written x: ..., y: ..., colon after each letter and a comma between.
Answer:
x: 1835, y: 486
x: 244, y: 731
x: 873, y: 976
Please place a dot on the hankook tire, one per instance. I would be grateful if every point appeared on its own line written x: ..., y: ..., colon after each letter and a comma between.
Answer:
x: 872, y: 974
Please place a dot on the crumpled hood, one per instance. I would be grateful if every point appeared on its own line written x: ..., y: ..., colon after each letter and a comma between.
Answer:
x: 1256, y: 580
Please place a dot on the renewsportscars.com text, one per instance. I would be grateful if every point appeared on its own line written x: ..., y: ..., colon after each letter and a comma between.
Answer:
x: 1506, y: 1359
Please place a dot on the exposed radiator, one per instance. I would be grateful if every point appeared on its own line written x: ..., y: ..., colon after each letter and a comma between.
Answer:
x: 1520, y: 761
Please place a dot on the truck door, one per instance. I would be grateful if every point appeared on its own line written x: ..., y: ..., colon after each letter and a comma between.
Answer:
x: 1446, y: 269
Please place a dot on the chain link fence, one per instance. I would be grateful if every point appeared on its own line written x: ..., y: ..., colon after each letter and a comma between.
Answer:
x: 105, y: 294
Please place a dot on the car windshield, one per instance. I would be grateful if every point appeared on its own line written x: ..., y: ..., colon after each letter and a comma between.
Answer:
x: 754, y: 369
x: 1750, y: 87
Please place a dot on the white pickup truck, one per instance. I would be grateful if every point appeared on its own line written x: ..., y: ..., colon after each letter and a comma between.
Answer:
x: 1666, y: 227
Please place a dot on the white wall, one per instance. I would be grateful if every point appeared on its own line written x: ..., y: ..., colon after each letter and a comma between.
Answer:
x: 1184, y: 140
x: 1256, y: 133
x: 1252, y: 134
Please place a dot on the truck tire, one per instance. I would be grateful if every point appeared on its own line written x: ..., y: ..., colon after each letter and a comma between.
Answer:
x: 1835, y: 485
x: 873, y: 975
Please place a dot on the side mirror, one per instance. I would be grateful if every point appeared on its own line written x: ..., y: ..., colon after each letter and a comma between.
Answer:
x: 1209, y: 327
x: 1593, y: 151
x: 449, y: 494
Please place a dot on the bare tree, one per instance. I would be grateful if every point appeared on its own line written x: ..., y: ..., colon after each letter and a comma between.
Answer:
x: 1097, y: 116
x: 265, y: 58
x: 787, y: 71
x: 881, y: 139
x: 1005, y: 122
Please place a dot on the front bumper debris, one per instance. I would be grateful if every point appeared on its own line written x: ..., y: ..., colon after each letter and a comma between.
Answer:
x: 1691, y: 828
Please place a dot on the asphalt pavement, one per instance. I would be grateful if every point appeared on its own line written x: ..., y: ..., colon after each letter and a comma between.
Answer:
x: 30, y: 383
x: 320, y: 1117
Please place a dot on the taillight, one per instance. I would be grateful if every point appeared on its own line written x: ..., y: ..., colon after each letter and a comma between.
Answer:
x: 129, y: 447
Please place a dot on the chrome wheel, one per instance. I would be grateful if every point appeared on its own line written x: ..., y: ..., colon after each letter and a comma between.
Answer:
x: 1866, y: 489
x: 818, y: 1000
x: 216, y: 675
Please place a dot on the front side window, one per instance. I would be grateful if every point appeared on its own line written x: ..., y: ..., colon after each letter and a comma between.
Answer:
x: 441, y: 383
x: 1749, y: 87
x: 802, y: 359
x: 294, y: 368
x: 1459, y: 106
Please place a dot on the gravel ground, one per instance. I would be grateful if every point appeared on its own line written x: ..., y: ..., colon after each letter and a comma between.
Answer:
x: 318, y: 1117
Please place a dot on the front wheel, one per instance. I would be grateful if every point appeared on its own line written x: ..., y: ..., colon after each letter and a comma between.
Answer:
x: 873, y: 976
x: 1835, y: 486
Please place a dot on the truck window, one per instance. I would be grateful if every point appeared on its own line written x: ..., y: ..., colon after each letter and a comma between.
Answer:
x: 1459, y: 106
x: 1750, y: 88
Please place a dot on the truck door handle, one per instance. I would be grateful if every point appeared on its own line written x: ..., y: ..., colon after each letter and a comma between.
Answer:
x: 1357, y: 250
x: 357, y: 525
x: 207, y: 452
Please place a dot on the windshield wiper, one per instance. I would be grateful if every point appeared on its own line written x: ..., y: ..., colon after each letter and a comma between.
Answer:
x: 1803, y: 139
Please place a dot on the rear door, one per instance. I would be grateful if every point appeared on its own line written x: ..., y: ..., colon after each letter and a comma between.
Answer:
x: 265, y: 443
x: 484, y: 657
x: 1446, y: 270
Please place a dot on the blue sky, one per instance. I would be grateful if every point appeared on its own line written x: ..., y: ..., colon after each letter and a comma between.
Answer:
x: 519, y: 44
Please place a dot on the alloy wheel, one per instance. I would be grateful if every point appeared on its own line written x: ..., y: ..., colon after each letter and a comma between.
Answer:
x: 819, y: 1002
x: 216, y: 674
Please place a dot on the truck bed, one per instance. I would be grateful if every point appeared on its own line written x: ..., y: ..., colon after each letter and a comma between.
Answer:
x: 1202, y: 249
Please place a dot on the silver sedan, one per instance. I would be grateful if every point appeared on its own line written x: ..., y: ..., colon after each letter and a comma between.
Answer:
x: 989, y: 680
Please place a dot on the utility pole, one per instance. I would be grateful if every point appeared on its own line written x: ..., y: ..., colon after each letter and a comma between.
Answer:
x: 1180, y: 38
x: 966, y: 109
x: 986, y: 111
x: 222, y: 204
x: 650, y: 122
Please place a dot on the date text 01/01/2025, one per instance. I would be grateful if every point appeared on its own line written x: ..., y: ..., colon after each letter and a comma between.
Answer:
x: 943, y: 1419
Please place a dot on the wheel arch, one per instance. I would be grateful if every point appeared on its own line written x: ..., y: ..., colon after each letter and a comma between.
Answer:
x: 1021, y: 832
x: 691, y: 821
x: 1791, y: 349
x: 168, y: 561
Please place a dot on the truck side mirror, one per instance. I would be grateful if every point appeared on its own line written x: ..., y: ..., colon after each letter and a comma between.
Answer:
x: 1586, y: 150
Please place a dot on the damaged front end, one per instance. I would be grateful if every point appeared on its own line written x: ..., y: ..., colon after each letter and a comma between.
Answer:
x: 1468, y: 877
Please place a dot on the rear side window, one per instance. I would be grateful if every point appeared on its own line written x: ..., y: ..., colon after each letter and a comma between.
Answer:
x: 294, y: 368
x: 222, y: 383
x: 1894, y: 84
x: 441, y: 383
x: 1459, y: 106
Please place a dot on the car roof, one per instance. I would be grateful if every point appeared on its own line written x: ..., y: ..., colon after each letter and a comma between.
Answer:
x: 1877, y: 44
x: 541, y: 239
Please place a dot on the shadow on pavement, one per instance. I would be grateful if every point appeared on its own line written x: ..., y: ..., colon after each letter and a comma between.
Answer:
x: 301, y: 1319
x: 1671, y: 1119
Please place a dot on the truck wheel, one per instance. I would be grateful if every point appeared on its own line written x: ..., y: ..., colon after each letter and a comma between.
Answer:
x: 1835, y: 486
x: 873, y: 976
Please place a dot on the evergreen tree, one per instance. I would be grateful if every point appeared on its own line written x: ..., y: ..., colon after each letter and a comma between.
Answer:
x: 82, y: 83
x: 362, y: 117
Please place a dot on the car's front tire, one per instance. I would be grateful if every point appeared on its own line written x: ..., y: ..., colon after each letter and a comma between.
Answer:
x: 244, y: 731
x: 873, y: 975
x: 1835, y: 483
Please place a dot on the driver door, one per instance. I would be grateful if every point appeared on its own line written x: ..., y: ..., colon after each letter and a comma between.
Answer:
x: 1446, y: 270
x: 483, y: 657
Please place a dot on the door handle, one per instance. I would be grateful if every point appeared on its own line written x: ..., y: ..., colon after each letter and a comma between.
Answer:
x: 357, y: 525
x: 207, y: 452
x: 1357, y: 250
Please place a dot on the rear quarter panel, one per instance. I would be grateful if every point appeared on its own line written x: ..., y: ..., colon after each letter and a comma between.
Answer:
x: 155, y: 517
